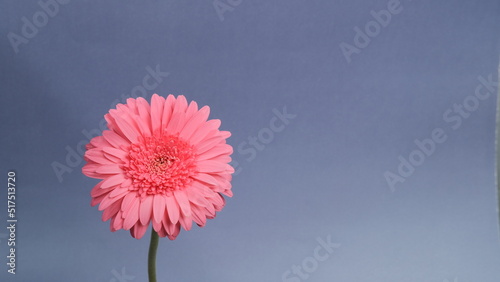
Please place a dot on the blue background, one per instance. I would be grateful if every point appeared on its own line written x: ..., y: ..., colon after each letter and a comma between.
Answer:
x: 321, y: 176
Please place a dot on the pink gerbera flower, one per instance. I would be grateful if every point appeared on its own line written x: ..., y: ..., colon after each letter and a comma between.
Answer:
x: 162, y: 163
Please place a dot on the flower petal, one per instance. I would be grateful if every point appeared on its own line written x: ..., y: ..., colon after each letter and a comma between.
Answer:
x: 183, y: 201
x: 157, y: 104
x: 89, y: 170
x: 172, y: 208
x: 167, y: 111
x: 112, y: 181
x: 194, y: 123
x: 96, y: 155
x: 158, y: 207
x: 97, y: 191
x: 127, y: 202
x: 122, y: 155
x: 109, y: 169
x: 138, y: 230
x: 146, y: 210
x: 111, y: 211
x: 144, y: 121
x: 209, y: 166
x: 119, y: 191
x: 127, y: 129
x: 114, y: 139
x: 204, y: 177
x: 131, y: 215
x: 117, y: 222
x: 205, y: 130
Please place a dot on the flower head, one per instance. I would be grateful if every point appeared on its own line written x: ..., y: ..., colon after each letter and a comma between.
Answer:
x: 163, y: 163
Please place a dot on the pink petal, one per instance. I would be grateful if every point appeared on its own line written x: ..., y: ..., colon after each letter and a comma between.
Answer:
x: 186, y: 222
x: 208, y: 145
x: 228, y: 193
x: 222, y: 158
x: 138, y: 230
x: 181, y: 104
x: 117, y: 222
x: 107, y: 201
x: 144, y: 116
x: 158, y: 207
x: 196, y: 198
x: 199, y: 216
x: 112, y: 181
x: 146, y: 210
x: 206, y: 178
x: 97, y: 200
x: 113, y: 159
x: 122, y: 155
x: 99, y: 141
x: 112, y: 124
x: 183, y: 201
x: 209, y: 127
x: 167, y: 111
x: 109, y: 169
x: 221, y: 149
x: 97, y: 156
x: 201, y: 189
x: 89, y: 170
x: 225, y: 134
x: 162, y: 232
x: 97, y: 191
x: 157, y: 104
x: 127, y: 129
x: 172, y: 229
x: 132, y: 215
x: 114, y: 139
x: 111, y: 211
x: 127, y: 183
x: 172, y: 208
x: 194, y: 123
x: 132, y: 106
x: 209, y: 166
x: 191, y: 110
x: 128, y: 200
x: 210, y: 211
x: 120, y: 191
x: 157, y: 226
x: 174, y: 123
x: 218, y: 200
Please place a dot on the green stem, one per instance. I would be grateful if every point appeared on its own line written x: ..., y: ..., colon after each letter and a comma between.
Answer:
x: 153, y: 246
